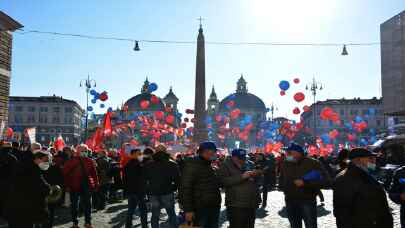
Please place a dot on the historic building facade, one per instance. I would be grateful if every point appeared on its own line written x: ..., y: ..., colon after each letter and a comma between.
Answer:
x: 50, y: 115
x: 7, y: 26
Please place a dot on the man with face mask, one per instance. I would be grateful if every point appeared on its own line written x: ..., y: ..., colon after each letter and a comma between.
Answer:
x: 26, y: 202
x: 301, y: 179
x: 199, y: 192
x: 241, y: 190
x: 134, y: 187
x: 358, y: 199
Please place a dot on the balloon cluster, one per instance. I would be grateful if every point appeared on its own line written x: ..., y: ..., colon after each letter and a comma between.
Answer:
x: 102, y: 97
x: 298, y: 97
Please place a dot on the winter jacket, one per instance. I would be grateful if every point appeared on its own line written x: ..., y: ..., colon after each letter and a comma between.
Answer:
x: 359, y: 201
x: 134, y: 178
x: 73, y: 174
x: 200, y: 186
x: 162, y: 175
x: 26, y: 198
x: 8, y: 163
x: 239, y: 192
x: 397, y: 185
x: 104, y: 170
x: 292, y: 171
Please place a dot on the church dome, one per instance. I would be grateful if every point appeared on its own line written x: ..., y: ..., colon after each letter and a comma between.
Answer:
x: 246, y: 102
x: 134, y: 103
x: 243, y: 100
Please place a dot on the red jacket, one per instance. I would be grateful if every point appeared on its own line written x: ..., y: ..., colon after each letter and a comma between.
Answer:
x: 73, y: 174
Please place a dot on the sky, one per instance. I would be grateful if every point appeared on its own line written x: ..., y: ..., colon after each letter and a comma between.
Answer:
x: 44, y: 65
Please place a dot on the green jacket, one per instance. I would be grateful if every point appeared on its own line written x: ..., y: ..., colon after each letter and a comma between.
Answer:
x: 239, y: 192
x: 297, y: 170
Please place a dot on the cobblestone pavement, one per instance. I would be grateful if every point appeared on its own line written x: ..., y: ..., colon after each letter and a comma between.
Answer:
x: 273, y: 217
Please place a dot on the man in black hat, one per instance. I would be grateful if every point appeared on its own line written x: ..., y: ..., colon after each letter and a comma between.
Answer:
x: 199, y: 192
x: 358, y: 199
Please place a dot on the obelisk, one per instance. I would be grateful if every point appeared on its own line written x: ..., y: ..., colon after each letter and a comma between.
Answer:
x: 200, y: 127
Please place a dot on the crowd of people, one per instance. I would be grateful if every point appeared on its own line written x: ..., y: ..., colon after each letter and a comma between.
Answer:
x: 32, y: 177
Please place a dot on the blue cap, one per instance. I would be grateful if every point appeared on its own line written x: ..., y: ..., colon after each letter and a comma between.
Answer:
x: 240, y: 153
x: 295, y: 147
x: 208, y: 145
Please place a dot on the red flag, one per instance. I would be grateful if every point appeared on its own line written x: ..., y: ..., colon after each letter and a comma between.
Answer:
x: 107, y: 124
x: 95, y: 141
x: 59, y: 143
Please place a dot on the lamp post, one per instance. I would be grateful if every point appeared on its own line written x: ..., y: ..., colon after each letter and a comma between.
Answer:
x: 314, y: 87
x: 88, y: 84
x: 272, y: 109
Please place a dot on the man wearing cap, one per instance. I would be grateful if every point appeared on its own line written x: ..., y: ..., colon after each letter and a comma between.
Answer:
x: 242, y: 196
x: 200, y: 194
x: 301, y: 179
x: 358, y: 199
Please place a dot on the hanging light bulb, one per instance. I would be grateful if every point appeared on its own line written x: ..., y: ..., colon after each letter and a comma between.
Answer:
x: 136, y: 48
x: 344, y: 52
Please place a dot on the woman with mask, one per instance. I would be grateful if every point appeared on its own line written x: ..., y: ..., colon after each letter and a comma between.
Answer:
x: 27, y: 196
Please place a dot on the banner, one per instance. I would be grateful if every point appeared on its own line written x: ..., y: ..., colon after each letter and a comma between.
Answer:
x: 31, y: 134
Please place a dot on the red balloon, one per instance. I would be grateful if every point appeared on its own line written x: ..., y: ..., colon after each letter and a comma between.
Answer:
x: 298, y: 97
x: 230, y: 104
x: 159, y: 115
x: 170, y: 119
x: 282, y: 92
x: 235, y: 113
x: 296, y: 111
x: 306, y: 108
x: 296, y: 80
x: 154, y: 99
x: 9, y: 132
x: 103, y: 96
x: 144, y: 104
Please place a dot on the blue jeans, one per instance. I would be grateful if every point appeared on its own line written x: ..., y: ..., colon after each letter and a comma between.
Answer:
x: 85, y: 201
x: 166, y: 202
x: 302, y: 210
x: 207, y: 217
x: 135, y: 201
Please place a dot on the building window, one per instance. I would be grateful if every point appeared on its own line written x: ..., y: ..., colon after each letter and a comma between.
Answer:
x: 68, y: 110
x: 67, y: 139
x: 30, y: 119
x: 55, y: 119
x: 43, y: 119
x: 342, y: 112
x: 18, y: 119
x: 42, y: 138
x: 43, y: 109
x: 18, y: 108
x: 31, y: 109
x: 56, y: 109
x: 354, y: 112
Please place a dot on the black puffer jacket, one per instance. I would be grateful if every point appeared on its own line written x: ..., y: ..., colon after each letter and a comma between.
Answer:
x: 200, y: 185
x: 359, y: 201
x: 26, y: 198
x: 7, y: 164
x: 134, y: 178
x: 162, y: 175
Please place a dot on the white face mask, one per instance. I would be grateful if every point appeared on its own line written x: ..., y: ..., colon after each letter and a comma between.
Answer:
x: 140, y: 158
x: 44, y: 166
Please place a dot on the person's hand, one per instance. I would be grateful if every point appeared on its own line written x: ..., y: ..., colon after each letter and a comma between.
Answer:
x: 248, y: 174
x: 299, y: 183
x: 402, y: 196
x: 189, y: 216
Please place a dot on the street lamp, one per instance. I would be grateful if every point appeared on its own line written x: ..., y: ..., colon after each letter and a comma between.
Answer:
x: 88, y: 84
x: 314, y: 87
x: 272, y: 109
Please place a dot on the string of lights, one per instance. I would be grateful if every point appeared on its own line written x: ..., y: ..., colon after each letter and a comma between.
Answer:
x: 137, y: 41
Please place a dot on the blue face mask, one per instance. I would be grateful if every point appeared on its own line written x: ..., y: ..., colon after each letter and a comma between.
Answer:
x: 290, y: 158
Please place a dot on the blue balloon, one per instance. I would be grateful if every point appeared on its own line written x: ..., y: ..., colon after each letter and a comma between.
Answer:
x: 90, y: 108
x: 325, y: 139
x: 363, y: 142
x: 102, y: 106
x: 284, y: 85
x: 93, y: 92
x: 358, y: 119
x: 152, y: 87
x: 248, y: 118
x: 93, y: 101
x: 371, y: 111
x: 110, y: 109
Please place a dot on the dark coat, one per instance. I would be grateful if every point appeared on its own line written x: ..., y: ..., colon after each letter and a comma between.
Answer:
x: 397, y: 188
x: 104, y: 170
x: 8, y: 163
x: 26, y: 199
x: 162, y: 175
x: 199, y: 186
x: 359, y: 201
x: 297, y: 170
x: 134, y: 178
x: 239, y: 192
